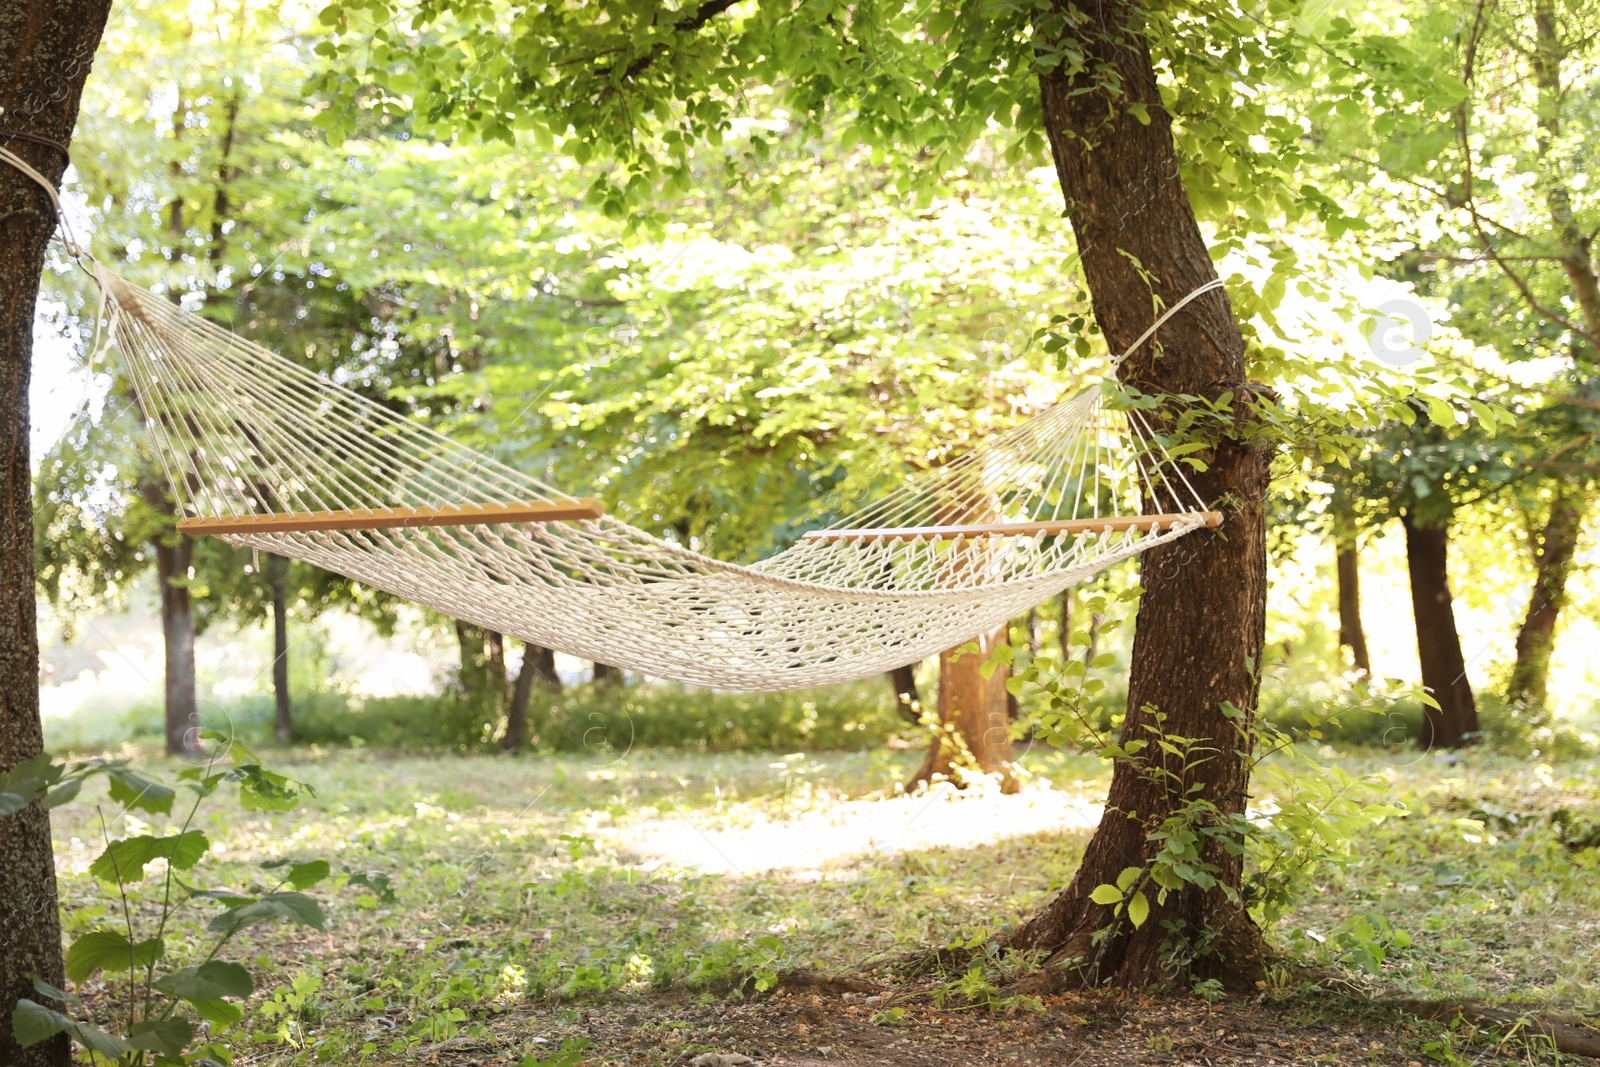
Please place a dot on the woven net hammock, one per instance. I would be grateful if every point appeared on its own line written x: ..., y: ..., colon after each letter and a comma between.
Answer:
x: 266, y: 454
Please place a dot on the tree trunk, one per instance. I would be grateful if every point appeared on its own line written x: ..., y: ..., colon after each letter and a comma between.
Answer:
x: 904, y: 680
x: 174, y: 554
x: 1202, y: 617
x: 606, y: 674
x: 1351, y: 634
x: 974, y: 724
x: 496, y: 664
x: 538, y: 666
x: 46, y: 48
x: 1065, y: 635
x: 1552, y: 561
x: 1444, y: 670
x: 516, y: 734
x: 474, y: 657
x: 282, y: 710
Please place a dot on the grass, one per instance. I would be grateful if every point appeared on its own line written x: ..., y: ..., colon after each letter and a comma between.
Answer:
x: 526, y: 888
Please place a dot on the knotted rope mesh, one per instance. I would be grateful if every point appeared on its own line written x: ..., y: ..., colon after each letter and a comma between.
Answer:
x: 953, y: 552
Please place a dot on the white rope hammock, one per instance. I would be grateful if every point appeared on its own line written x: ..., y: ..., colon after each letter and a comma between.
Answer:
x: 266, y: 454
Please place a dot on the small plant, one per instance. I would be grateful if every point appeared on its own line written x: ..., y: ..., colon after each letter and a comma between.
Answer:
x: 890, y: 1017
x: 1208, y: 990
x: 1276, y: 983
x: 1368, y: 940
x: 1283, y: 848
x: 570, y: 1054
x: 154, y: 1014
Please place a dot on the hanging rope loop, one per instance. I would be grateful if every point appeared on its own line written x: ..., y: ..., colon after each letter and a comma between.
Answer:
x: 68, y: 238
x: 80, y: 254
x: 1215, y: 283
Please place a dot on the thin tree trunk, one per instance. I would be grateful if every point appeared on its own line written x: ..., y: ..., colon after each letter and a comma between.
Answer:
x: 474, y: 658
x: 538, y: 668
x: 1202, y: 617
x: 1444, y: 670
x: 174, y: 554
x: 496, y: 664
x: 606, y: 674
x: 975, y: 727
x: 904, y: 680
x: 516, y: 734
x: 1065, y: 636
x: 1552, y: 561
x: 282, y: 710
x: 544, y: 661
x: 1351, y: 634
x: 46, y: 48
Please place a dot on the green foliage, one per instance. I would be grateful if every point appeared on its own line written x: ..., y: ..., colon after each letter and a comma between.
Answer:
x: 569, y: 1054
x: 154, y: 1015
x: 1321, y: 815
x: 606, y: 722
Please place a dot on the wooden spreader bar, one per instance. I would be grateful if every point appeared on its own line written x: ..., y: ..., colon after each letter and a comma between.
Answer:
x: 1018, y: 529
x: 398, y: 518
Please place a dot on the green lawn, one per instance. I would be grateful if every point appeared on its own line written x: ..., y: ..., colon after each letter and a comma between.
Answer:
x: 525, y: 884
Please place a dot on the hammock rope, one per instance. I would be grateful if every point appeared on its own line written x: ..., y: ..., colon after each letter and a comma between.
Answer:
x: 269, y: 455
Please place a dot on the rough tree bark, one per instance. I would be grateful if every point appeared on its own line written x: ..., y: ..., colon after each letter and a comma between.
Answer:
x: 1351, y: 633
x: 1552, y: 563
x: 174, y: 554
x: 1444, y: 670
x: 282, y: 710
x: 1202, y: 618
x: 973, y: 714
x: 46, y: 48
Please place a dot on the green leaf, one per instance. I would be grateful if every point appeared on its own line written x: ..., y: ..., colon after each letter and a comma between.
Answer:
x: 32, y: 1023
x: 1140, y: 112
x: 107, y: 950
x: 263, y: 790
x: 169, y: 1037
x: 219, y: 1013
x: 1128, y: 876
x: 1106, y: 894
x: 133, y: 790
x: 1440, y: 412
x: 98, y: 950
x: 212, y: 980
x: 26, y: 781
x: 1138, y: 909
x: 64, y: 793
x: 302, y: 875
x: 125, y: 860
x: 295, y: 907
x: 382, y: 891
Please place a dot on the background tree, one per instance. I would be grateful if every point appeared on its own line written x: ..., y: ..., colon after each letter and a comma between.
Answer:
x: 46, y: 50
x: 1474, y: 145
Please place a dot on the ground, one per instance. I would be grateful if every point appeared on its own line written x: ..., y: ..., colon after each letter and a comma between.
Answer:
x: 660, y: 906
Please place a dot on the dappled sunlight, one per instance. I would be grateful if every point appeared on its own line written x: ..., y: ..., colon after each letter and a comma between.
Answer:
x: 833, y: 838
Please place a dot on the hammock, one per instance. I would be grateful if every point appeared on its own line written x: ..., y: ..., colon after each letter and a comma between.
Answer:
x: 263, y: 453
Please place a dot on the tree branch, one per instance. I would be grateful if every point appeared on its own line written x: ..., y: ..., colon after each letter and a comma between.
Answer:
x: 695, y: 22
